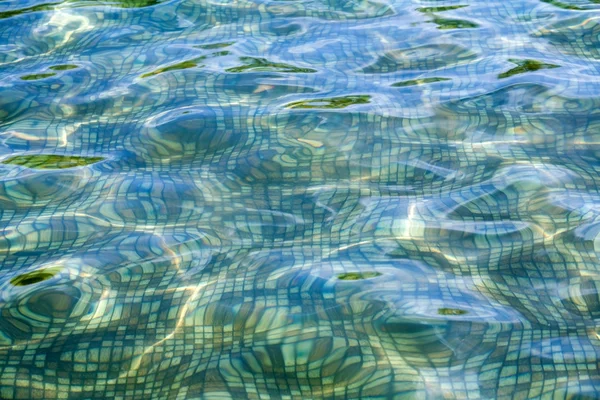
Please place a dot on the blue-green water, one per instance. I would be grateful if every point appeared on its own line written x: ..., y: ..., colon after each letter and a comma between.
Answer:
x: 210, y: 199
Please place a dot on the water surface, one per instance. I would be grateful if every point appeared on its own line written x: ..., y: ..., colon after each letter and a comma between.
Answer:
x: 299, y: 199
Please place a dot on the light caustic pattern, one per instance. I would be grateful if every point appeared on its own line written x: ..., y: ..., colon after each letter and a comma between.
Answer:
x: 299, y: 199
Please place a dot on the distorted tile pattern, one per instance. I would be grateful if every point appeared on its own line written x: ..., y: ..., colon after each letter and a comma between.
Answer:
x: 299, y: 199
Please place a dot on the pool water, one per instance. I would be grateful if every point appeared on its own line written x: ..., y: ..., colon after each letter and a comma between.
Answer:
x: 299, y: 199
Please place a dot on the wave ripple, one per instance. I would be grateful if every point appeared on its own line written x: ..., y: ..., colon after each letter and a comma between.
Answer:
x: 299, y: 199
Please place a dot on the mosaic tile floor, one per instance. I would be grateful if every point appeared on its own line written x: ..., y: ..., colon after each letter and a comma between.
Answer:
x: 299, y: 199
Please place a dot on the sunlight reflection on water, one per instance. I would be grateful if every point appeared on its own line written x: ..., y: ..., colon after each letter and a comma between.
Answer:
x: 299, y: 199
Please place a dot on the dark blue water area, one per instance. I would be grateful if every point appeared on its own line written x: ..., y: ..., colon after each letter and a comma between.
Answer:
x: 299, y: 199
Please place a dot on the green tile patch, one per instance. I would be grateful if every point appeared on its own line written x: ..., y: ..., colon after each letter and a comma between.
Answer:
x: 524, y: 66
x: 213, y: 46
x: 220, y: 53
x: 422, y: 81
x: 53, y: 6
x: 174, y: 67
x: 51, y: 161
x: 333, y: 102
x: 120, y: 3
x: 36, y: 8
x: 37, y: 276
x: 356, y: 276
x: 64, y: 67
x: 562, y: 5
x: 447, y: 23
x: 134, y: 3
x: 439, y: 9
x: 252, y: 64
x: 451, y: 311
x: 35, y: 77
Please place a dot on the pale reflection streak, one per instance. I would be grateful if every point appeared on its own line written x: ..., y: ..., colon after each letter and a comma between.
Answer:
x: 62, y: 135
x: 180, y: 322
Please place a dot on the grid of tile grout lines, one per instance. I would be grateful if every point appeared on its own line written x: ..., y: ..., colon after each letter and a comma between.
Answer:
x: 324, y: 199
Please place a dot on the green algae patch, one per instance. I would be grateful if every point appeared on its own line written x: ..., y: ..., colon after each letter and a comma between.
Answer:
x: 357, y: 276
x: 182, y: 65
x: 440, y: 9
x: 34, y: 277
x: 333, y: 102
x: 51, y: 161
x: 35, y: 77
x: 252, y: 64
x: 447, y: 23
x: 423, y: 81
x: 64, y: 67
x: 524, y: 66
x: 451, y: 311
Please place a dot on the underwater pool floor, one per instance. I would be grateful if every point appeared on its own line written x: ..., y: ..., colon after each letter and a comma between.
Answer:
x: 254, y: 199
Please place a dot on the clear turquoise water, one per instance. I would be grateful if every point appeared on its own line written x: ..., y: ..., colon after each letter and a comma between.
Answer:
x: 299, y: 199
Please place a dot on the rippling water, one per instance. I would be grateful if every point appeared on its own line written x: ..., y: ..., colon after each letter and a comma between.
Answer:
x: 299, y: 199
